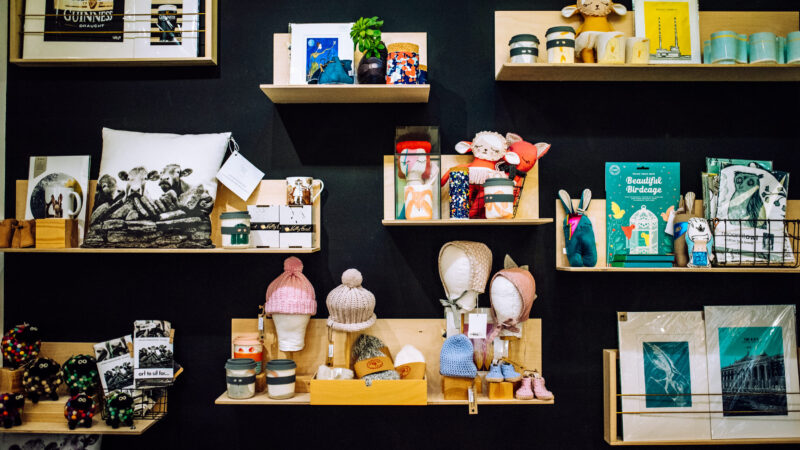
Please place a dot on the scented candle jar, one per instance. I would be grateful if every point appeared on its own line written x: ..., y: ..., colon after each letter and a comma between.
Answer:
x: 524, y: 48
x: 499, y: 198
x: 281, y: 378
x: 561, y: 45
x: 235, y: 229
x: 249, y: 346
x: 240, y: 375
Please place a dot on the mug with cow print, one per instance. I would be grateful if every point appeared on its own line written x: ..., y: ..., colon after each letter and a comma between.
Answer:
x: 156, y: 190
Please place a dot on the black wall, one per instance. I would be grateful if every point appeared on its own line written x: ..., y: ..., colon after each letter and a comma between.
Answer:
x: 55, y: 111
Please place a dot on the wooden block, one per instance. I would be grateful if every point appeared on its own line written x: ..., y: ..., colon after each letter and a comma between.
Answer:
x: 261, y: 382
x: 501, y: 391
x: 56, y: 233
x: 10, y: 380
x: 454, y: 388
x: 380, y: 392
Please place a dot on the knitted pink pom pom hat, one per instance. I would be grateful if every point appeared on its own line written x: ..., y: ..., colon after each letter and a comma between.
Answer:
x: 291, y: 292
x: 352, y: 307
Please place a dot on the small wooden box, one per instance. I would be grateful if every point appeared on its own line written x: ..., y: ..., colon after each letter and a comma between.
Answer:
x: 454, y: 388
x: 380, y: 392
x: 501, y: 391
x: 11, y: 380
x: 56, y: 233
x: 261, y: 382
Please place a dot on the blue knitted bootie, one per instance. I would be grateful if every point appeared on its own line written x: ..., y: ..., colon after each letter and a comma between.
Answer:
x: 495, y: 375
x: 509, y: 374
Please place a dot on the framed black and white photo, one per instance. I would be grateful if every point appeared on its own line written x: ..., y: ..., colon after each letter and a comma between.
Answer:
x: 752, y: 362
x: 170, y: 30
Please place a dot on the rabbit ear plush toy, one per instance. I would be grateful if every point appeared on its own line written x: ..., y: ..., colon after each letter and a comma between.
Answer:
x: 578, y: 231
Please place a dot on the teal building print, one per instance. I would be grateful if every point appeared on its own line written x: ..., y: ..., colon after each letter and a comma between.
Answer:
x: 667, y: 374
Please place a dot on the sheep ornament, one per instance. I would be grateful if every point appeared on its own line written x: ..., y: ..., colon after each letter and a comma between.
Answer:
x: 595, y: 20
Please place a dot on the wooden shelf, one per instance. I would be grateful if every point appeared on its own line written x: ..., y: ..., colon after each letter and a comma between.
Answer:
x: 347, y: 93
x: 300, y: 398
x: 612, y: 433
x: 434, y: 399
x: 464, y: 223
x: 208, y: 23
x: 527, y: 210
x: 281, y: 92
x: 510, y: 23
x: 597, y: 214
x: 269, y: 192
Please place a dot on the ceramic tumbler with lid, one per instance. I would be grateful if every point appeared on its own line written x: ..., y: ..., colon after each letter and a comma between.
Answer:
x: 281, y: 378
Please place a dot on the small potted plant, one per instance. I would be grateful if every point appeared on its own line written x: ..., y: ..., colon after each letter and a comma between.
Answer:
x: 366, y: 35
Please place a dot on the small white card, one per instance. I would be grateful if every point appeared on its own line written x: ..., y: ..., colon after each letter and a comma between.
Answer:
x: 240, y: 175
x: 477, y: 326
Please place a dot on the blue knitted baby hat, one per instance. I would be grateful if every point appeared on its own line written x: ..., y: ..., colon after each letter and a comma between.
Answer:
x: 456, y: 359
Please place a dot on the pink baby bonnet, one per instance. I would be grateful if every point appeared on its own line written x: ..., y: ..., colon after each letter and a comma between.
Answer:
x: 291, y: 292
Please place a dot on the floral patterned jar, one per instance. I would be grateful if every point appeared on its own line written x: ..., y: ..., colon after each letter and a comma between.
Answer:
x: 402, y: 65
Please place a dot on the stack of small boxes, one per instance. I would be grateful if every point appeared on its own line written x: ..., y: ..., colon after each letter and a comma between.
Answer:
x: 281, y: 226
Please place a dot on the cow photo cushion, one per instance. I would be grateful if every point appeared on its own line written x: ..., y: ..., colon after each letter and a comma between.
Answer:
x: 155, y: 190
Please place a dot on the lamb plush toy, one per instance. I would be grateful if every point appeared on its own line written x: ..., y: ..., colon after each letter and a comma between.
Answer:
x: 595, y: 20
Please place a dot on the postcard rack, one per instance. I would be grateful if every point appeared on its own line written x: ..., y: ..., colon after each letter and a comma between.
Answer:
x: 280, y: 91
x: 207, y: 42
x: 612, y: 414
x: 424, y: 334
x: 510, y: 23
x: 527, y: 211
x: 47, y: 417
x: 597, y: 214
x: 269, y: 192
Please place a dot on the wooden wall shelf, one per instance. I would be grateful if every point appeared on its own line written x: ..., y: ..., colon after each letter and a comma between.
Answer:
x: 207, y: 23
x: 424, y: 334
x: 527, y: 211
x: 510, y: 23
x: 281, y: 92
x: 47, y: 417
x: 611, y: 424
x: 269, y: 192
x: 597, y: 214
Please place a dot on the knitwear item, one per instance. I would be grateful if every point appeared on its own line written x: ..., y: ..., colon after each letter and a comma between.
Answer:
x: 526, y: 287
x: 367, y: 347
x: 291, y: 292
x: 480, y: 258
x: 456, y: 359
x: 408, y: 354
x: 351, y: 307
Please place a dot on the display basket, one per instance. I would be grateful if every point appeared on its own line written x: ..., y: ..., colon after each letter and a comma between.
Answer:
x: 148, y: 403
x: 756, y: 243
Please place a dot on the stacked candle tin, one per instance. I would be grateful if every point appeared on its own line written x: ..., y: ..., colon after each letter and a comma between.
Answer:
x: 524, y: 48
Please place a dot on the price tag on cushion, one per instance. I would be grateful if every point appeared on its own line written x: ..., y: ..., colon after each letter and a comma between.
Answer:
x: 477, y: 326
x: 240, y: 175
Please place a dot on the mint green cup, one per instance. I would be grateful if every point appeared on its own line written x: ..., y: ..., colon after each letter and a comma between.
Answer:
x: 763, y: 48
x: 742, y: 49
x: 707, y: 52
x: 723, y: 47
x: 780, y: 50
x: 793, y: 48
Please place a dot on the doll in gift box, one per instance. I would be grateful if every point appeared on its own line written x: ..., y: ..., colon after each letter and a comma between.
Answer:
x: 415, y: 166
x: 488, y: 148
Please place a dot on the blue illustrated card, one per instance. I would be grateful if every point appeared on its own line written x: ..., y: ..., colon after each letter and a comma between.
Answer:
x: 319, y: 51
x: 667, y: 374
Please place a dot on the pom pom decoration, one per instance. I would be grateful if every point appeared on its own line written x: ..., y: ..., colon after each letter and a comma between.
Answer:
x: 293, y: 265
x: 80, y: 375
x: 11, y: 409
x: 119, y: 405
x: 79, y: 411
x: 352, y: 278
x: 20, y: 345
x: 42, y: 379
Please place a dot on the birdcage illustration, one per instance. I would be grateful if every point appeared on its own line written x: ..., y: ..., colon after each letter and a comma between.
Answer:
x: 644, y: 238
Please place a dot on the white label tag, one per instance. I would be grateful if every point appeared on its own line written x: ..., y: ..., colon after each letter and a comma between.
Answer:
x: 564, y: 250
x: 240, y: 175
x: 477, y: 326
x: 330, y: 350
x: 500, y: 349
x: 260, y: 324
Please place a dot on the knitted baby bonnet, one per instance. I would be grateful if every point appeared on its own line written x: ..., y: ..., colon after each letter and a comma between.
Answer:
x: 526, y: 287
x: 370, y: 357
x: 291, y: 292
x: 351, y: 307
x: 456, y: 359
x: 480, y: 258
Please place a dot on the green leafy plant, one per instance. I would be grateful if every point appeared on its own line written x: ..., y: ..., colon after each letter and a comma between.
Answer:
x: 366, y: 34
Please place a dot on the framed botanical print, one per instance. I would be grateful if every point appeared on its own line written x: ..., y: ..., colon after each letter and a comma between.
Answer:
x: 663, y: 372
x: 752, y: 363
x: 673, y: 28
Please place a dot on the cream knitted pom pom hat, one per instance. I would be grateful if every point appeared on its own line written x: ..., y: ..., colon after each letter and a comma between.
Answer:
x: 351, y: 307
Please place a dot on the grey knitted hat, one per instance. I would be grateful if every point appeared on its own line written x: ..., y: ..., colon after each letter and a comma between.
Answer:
x: 367, y: 347
x: 351, y: 307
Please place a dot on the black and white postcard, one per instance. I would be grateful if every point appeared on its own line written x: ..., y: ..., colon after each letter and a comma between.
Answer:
x: 153, y: 358
x: 115, y: 364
